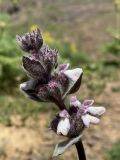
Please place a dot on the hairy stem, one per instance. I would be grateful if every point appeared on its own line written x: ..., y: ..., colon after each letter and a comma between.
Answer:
x: 60, y: 104
x: 80, y: 150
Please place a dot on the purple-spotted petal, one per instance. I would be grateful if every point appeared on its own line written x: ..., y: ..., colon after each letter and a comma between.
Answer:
x: 87, y: 103
x: 62, y: 67
x: 74, y: 102
x: 64, y: 114
x: 73, y: 99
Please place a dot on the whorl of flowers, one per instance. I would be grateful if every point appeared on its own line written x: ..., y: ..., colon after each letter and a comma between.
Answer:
x: 50, y: 82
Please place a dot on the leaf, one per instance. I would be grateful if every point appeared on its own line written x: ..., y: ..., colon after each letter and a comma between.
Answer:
x: 63, y: 146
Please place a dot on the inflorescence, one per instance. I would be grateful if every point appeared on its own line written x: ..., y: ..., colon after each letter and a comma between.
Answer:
x: 50, y: 82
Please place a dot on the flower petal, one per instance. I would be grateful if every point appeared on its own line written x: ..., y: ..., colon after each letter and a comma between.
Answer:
x: 63, y: 127
x: 74, y: 77
x: 74, y: 102
x: 86, y: 120
x: 62, y: 67
x: 73, y: 99
x: 87, y: 103
x: 74, y: 74
x: 96, y: 110
x: 93, y: 120
x: 64, y: 114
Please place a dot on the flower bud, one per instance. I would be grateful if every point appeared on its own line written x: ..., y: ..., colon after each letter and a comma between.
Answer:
x: 35, y: 69
x: 39, y: 65
x: 30, y: 42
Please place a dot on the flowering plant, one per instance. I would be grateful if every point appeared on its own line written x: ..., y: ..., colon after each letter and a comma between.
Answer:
x: 50, y: 82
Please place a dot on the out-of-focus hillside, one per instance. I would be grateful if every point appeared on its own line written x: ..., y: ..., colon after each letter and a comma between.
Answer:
x: 82, y: 21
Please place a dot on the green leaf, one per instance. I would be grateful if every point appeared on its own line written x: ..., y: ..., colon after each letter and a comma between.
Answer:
x: 63, y: 146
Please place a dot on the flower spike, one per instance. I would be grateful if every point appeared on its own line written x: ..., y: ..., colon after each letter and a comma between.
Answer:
x: 50, y: 82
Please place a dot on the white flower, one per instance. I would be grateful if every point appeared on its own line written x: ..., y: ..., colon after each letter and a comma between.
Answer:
x: 90, y: 114
x: 63, y: 126
x: 87, y: 119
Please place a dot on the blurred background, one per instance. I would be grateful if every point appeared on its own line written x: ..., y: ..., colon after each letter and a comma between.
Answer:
x: 86, y: 34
